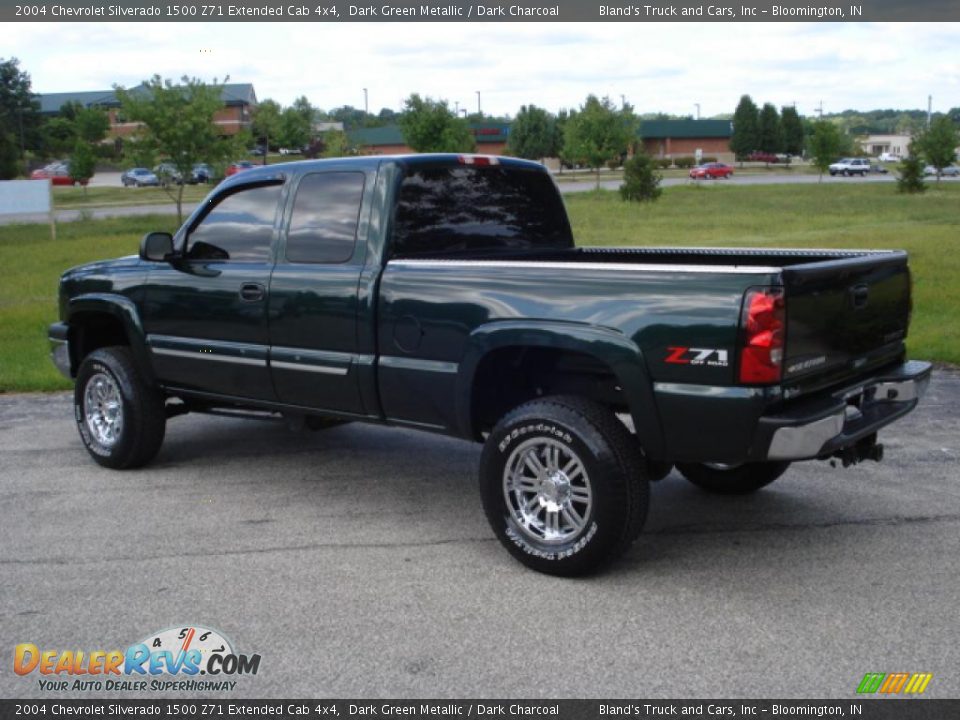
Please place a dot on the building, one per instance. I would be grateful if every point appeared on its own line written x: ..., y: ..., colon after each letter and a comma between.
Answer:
x: 491, y: 139
x: 239, y: 100
x: 674, y: 138
x: 890, y: 144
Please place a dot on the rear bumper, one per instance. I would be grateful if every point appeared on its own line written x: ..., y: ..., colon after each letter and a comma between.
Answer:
x: 820, y: 426
x: 58, y: 335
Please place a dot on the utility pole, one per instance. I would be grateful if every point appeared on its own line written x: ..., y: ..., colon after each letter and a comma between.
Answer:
x: 698, y: 110
x: 456, y: 108
x: 929, y: 109
x: 623, y: 101
x: 820, y: 109
x: 479, y: 111
x: 366, y: 104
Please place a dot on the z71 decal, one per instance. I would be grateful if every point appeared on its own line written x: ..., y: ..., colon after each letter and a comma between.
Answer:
x: 711, y: 357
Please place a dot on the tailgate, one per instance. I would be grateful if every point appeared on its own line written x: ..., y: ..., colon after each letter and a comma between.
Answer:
x: 844, y: 317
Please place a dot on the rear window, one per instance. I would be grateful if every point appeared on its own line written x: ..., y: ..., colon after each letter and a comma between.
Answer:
x: 444, y: 209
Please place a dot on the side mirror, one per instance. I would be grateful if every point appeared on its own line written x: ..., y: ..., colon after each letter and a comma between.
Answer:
x: 156, y: 246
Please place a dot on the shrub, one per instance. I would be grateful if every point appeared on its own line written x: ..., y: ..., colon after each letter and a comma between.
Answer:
x: 910, y: 179
x: 662, y: 163
x: 685, y: 161
x: 641, y: 182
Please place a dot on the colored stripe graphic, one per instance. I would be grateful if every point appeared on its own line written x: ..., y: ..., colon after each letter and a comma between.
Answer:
x: 894, y: 683
x: 918, y: 683
x: 871, y: 682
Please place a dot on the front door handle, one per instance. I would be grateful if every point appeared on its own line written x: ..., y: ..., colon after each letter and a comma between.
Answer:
x: 252, y: 292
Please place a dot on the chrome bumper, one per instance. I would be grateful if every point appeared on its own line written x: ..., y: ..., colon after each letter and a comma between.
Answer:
x: 60, y: 349
x: 850, y: 415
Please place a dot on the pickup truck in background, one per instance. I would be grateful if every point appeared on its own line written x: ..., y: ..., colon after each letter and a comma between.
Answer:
x: 445, y: 293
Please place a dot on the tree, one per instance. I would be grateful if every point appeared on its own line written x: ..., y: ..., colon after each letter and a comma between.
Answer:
x: 938, y: 143
x: 641, y: 182
x: 910, y: 176
x: 266, y: 124
x: 430, y: 126
x: 826, y: 144
x: 745, y: 128
x: 336, y: 144
x: 769, y: 132
x: 19, y: 114
x: 531, y: 133
x: 82, y: 163
x: 177, y: 124
x: 792, y: 128
x: 9, y: 152
x: 599, y: 133
x: 91, y: 124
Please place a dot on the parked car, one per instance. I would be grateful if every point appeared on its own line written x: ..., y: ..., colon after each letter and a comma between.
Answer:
x: 948, y: 171
x: 586, y: 372
x: 239, y: 166
x: 764, y: 157
x: 850, y: 166
x: 711, y: 171
x: 168, y: 174
x: 259, y: 150
x: 58, y: 173
x: 139, y: 177
x: 889, y: 157
x: 202, y: 173
x: 878, y: 168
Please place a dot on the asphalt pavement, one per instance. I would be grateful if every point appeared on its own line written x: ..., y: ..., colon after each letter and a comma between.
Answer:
x: 357, y: 562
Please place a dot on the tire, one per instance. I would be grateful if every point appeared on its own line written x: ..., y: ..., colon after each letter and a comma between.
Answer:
x: 832, y: 173
x: 736, y: 480
x: 126, y: 428
x: 597, y: 485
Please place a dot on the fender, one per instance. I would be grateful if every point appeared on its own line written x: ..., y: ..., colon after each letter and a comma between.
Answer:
x: 609, y: 346
x: 125, y: 310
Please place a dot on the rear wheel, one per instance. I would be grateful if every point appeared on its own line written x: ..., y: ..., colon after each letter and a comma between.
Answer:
x: 121, y: 419
x: 732, y: 479
x: 563, y: 485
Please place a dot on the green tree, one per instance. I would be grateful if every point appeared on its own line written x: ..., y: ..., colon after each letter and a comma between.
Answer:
x: 910, y: 175
x: 769, y: 132
x: 430, y: 126
x: 938, y: 143
x: 59, y: 136
x: 641, y: 181
x: 82, y: 163
x: 176, y: 122
x: 336, y: 144
x: 92, y: 124
x: 792, y: 128
x: 9, y: 152
x: 826, y: 144
x: 746, y: 120
x: 19, y: 115
x: 532, y: 134
x: 599, y: 133
x: 267, y: 118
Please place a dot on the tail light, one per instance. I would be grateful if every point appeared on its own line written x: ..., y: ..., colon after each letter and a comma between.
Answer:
x: 478, y: 160
x: 763, y: 324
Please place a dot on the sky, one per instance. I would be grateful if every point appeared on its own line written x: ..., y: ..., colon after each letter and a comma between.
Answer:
x: 657, y: 67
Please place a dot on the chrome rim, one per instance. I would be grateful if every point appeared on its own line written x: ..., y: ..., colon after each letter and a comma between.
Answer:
x: 103, y: 409
x: 722, y: 466
x: 547, y: 490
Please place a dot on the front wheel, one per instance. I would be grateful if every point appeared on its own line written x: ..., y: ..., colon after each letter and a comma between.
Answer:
x: 563, y: 485
x: 732, y: 479
x: 120, y: 417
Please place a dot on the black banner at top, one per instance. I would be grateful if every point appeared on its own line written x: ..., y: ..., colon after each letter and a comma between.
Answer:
x: 332, y: 11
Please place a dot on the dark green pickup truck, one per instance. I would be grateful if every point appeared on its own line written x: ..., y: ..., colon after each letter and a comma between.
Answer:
x: 445, y: 293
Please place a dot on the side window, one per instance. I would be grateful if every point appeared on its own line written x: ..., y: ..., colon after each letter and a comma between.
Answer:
x: 323, y: 226
x: 238, y: 228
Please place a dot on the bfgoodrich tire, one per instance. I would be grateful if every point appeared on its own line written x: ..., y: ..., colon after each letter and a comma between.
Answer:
x: 563, y: 485
x: 120, y: 417
x: 734, y: 480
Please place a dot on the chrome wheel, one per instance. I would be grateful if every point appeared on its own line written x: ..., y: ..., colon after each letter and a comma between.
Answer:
x: 547, y: 490
x: 103, y: 409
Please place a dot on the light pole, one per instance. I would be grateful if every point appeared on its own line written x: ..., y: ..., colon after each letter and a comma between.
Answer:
x: 623, y: 101
x: 479, y: 111
x: 698, y: 110
x: 366, y: 104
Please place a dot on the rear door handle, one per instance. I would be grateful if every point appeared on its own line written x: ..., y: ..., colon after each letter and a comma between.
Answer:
x: 252, y: 292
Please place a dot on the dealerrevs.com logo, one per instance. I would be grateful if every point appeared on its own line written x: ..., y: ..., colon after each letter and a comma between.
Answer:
x: 187, y: 658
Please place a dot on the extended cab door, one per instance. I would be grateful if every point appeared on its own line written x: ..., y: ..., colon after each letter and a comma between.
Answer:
x: 314, y: 301
x: 206, y: 314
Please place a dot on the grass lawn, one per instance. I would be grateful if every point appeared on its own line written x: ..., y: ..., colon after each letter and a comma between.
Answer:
x: 847, y: 216
x: 72, y: 198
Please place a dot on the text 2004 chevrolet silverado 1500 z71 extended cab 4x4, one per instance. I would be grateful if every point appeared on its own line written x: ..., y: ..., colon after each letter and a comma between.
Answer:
x: 445, y: 293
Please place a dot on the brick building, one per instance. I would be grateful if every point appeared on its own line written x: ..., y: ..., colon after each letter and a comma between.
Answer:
x: 673, y: 138
x: 239, y: 100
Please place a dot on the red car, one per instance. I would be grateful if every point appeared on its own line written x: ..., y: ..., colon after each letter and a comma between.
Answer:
x: 710, y: 171
x: 57, y: 173
x: 239, y: 166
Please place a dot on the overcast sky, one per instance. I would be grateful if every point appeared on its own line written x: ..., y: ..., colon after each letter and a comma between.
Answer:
x: 658, y: 66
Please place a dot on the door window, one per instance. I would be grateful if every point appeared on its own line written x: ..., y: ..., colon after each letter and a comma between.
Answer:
x: 326, y: 211
x: 239, y: 228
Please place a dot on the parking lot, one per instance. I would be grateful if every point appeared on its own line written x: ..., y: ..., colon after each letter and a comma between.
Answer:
x: 357, y: 562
